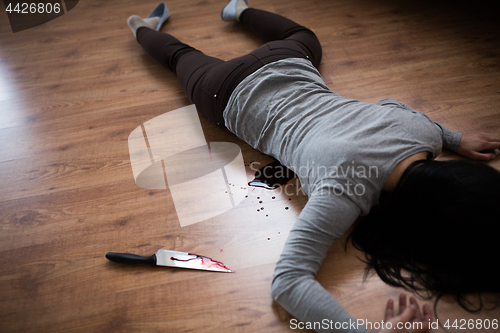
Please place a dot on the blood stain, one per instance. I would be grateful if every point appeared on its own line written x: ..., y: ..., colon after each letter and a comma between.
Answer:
x: 205, y: 262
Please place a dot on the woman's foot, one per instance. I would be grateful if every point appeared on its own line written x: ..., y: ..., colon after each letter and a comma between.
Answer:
x: 233, y: 10
x: 155, y: 20
x: 135, y: 22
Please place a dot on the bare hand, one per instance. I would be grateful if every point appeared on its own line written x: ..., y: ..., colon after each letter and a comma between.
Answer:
x: 479, y: 146
x: 410, y: 319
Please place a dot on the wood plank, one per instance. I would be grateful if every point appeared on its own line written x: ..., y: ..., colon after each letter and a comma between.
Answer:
x: 71, y: 92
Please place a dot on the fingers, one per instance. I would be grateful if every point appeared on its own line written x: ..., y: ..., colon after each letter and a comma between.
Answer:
x: 482, y: 156
x: 423, y: 316
x: 402, y: 303
x: 389, y: 310
x: 485, y: 142
x: 490, y: 138
x: 407, y: 315
x: 414, y: 305
x: 427, y: 314
x: 490, y: 145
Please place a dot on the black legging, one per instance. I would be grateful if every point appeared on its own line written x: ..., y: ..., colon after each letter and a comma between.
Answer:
x: 207, y: 81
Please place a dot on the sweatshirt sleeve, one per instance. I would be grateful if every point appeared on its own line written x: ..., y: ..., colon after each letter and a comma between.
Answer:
x: 324, y: 219
x: 451, y: 139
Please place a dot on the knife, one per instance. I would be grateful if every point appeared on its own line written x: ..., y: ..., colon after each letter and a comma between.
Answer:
x: 171, y: 259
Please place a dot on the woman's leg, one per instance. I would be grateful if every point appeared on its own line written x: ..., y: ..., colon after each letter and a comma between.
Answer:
x: 180, y: 58
x: 273, y: 27
x: 208, y: 82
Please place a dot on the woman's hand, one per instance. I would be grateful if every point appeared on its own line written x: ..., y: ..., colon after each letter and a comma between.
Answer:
x: 410, y: 319
x: 479, y: 146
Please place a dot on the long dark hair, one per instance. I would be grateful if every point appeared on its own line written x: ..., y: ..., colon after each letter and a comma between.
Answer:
x: 438, y: 233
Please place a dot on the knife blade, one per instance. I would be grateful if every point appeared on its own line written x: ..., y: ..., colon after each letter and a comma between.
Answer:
x: 171, y: 258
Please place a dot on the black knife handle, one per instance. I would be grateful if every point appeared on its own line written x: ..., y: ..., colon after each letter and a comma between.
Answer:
x: 127, y: 258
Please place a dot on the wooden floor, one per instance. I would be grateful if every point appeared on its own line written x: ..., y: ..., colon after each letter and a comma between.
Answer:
x: 73, y: 89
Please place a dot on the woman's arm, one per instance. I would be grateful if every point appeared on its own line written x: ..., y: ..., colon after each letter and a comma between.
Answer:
x: 477, y: 146
x: 451, y: 139
x: 324, y: 219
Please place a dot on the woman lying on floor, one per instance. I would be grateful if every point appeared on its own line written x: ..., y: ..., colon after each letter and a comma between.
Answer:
x: 438, y: 230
